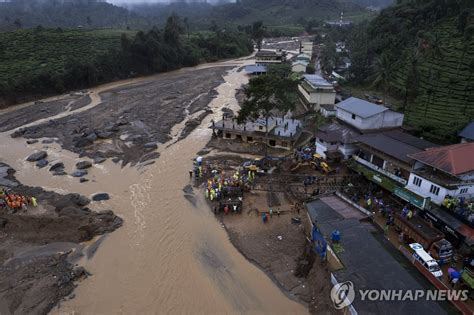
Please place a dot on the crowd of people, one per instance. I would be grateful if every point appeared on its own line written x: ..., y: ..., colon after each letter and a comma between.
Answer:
x: 10, y: 200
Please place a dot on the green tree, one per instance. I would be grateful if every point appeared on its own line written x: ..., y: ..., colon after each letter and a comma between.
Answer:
x: 258, y: 33
x: 382, y: 74
x: 173, y: 29
x: 274, y: 91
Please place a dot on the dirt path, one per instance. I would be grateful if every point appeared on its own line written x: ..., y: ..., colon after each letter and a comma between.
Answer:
x: 170, y: 256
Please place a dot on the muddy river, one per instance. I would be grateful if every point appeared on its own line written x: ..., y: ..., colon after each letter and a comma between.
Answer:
x: 171, y: 255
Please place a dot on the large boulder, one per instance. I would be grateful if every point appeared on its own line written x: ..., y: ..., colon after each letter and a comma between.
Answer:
x: 42, y: 163
x: 99, y: 159
x: 151, y: 145
x: 40, y: 155
x: 79, y: 200
x: 91, y: 137
x: 83, y: 165
x: 104, y: 134
x: 80, y: 142
x: 56, y: 167
x: 100, y: 197
x: 79, y: 173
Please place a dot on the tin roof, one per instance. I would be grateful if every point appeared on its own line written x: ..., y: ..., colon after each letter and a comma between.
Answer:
x: 468, y: 131
x: 360, y: 107
x: 316, y: 80
x: 454, y: 159
x: 395, y: 143
x: 337, y: 132
x: 255, y: 69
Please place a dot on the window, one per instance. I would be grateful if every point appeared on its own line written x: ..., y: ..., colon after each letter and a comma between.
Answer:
x: 250, y: 139
x: 417, y: 181
x: 434, y: 190
x: 463, y: 191
x: 228, y: 135
x: 353, y: 116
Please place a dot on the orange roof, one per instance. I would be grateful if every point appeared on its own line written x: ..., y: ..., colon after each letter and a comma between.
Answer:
x: 454, y: 159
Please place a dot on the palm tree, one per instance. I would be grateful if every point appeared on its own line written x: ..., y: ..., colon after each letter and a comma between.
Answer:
x: 382, y: 74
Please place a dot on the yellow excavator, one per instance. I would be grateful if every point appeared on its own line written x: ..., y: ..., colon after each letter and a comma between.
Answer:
x: 319, y: 164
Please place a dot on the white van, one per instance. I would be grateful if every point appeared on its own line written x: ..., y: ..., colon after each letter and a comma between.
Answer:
x: 426, y: 260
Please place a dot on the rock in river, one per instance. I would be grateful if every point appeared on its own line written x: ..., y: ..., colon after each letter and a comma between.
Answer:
x: 42, y: 163
x: 101, y: 197
x: 40, y: 155
x: 83, y: 165
x: 99, y: 159
x: 151, y: 145
x: 56, y: 167
x: 79, y: 173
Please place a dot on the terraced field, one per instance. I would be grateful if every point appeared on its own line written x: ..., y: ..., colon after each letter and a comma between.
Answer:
x: 444, y: 102
x: 30, y: 53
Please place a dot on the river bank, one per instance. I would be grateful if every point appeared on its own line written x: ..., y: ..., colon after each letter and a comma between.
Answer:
x: 168, y: 248
x: 40, y: 245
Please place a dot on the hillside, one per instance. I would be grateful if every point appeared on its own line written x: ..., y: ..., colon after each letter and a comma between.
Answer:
x: 422, y: 52
x: 80, y: 13
x: 244, y: 12
x: 40, y: 61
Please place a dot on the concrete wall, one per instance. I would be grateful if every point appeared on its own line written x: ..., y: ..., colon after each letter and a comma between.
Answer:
x: 299, y: 68
x: 346, y: 149
x: 387, y: 119
x: 424, y: 189
x: 327, y: 113
x: 318, y: 97
x: 281, y: 144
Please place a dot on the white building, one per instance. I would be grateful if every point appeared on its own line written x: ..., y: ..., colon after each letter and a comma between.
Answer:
x: 267, y: 57
x: 315, y: 91
x: 328, y: 110
x: 299, y: 66
x: 336, y: 141
x: 364, y: 115
x: 277, y: 132
x: 307, y: 48
x: 442, y: 171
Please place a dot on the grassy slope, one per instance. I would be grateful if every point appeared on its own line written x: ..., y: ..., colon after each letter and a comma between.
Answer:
x: 27, y: 53
x: 446, y: 102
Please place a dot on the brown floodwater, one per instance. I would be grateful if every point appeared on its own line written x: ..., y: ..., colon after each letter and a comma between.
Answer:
x: 171, y: 255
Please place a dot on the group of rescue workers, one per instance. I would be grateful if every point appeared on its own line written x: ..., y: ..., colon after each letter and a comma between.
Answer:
x: 15, y: 202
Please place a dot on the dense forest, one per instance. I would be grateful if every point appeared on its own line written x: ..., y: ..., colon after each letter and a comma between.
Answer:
x: 99, y: 14
x: 422, y: 52
x: 45, y: 61
x: 271, y: 12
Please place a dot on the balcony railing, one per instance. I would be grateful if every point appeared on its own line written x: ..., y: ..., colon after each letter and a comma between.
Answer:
x: 380, y: 170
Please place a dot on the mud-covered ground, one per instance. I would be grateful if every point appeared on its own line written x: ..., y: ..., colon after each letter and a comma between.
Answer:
x: 130, y: 122
x: 39, y: 246
x: 278, y: 247
x: 16, y: 117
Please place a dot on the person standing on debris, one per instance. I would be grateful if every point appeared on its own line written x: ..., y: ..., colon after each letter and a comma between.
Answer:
x: 278, y: 212
x: 271, y: 213
x: 190, y: 174
x: 264, y: 217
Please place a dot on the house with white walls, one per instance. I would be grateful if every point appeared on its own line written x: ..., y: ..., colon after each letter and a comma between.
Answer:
x: 335, y: 141
x: 365, y: 115
x: 443, y: 171
x: 314, y: 91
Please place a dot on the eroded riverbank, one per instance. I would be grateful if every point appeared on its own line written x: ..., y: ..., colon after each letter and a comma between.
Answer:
x: 170, y: 256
